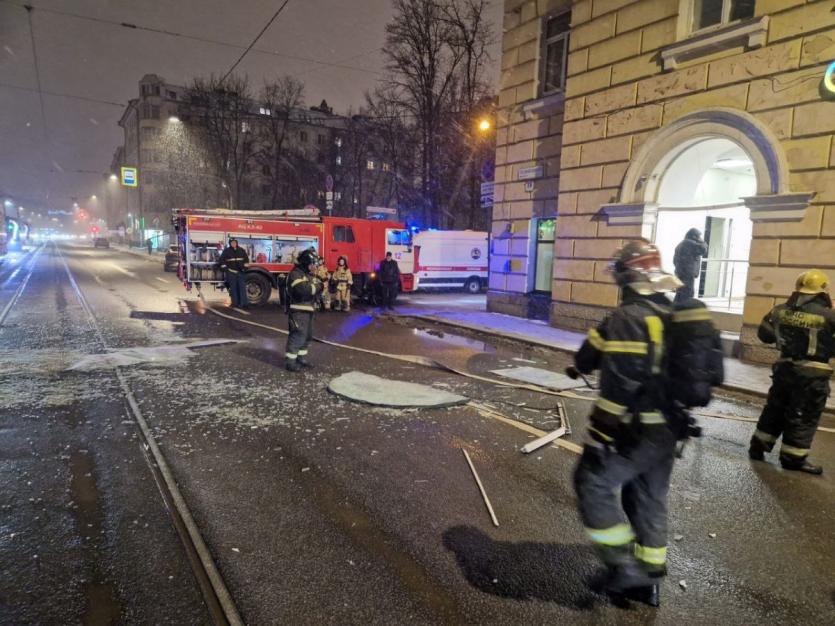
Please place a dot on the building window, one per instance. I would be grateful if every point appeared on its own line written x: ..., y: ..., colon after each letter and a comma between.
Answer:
x: 150, y: 90
x: 708, y: 13
x: 149, y: 133
x: 303, y: 136
x: 369, y: 164
x: 150, y: 112
x: 245, y: 127
x: 265, y: 111
x: 337, y: 195
x: 544, y: 271
x: 172, y: 95
x: 343, y: 234
x: 555, y: 52
x: 386, y: 167
x: 320, y: 139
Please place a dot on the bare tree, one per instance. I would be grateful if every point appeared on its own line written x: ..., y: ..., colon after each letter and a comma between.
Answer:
x: 280, y: 99
x: 222, y: 113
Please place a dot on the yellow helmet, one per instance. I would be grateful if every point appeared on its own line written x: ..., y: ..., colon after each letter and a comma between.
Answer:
x: 812, y: 282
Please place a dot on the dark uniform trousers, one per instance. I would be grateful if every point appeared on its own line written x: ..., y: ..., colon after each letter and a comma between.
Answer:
x: 793, y: 409
x: 389, y: 293
x: 634, y: 480
x: 237, y: 288
x: 301, y: 333
x: 686, y: 291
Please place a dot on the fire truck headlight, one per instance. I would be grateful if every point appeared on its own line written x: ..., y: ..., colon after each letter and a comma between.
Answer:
x: 373, y: 274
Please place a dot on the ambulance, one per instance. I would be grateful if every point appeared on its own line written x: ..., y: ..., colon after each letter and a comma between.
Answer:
x: 450, y: 259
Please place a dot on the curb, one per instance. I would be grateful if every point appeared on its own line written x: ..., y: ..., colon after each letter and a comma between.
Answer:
x: 542, y: 344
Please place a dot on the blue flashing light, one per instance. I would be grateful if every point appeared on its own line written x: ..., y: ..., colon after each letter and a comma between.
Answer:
x: 829, y: 78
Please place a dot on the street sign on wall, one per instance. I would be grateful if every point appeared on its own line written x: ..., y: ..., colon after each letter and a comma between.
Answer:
x: 487, y: 190
x: 129, y: 177
x: 380, y: 209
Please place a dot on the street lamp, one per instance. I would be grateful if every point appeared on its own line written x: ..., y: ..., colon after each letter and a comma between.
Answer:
x: 484, y: 125
x: 114, y: 178
x: 93, y: 197
x: 174, y: 119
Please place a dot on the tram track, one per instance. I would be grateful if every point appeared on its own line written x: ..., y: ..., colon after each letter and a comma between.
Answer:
x: 219, y: 602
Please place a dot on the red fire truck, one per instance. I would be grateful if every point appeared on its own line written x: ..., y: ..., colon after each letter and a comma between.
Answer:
x: 272, y: 240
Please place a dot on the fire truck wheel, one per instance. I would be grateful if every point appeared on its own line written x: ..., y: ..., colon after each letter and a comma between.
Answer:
x: 473, y: 285
x: 257, y: 289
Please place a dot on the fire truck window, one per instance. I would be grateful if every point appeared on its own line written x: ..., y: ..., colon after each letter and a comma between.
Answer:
x: 286, y: 250
x: 259, y: 250
x: 399, y: 238
x: 344, y: 234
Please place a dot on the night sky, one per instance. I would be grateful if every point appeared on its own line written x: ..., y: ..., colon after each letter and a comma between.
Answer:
x: 105, y: 62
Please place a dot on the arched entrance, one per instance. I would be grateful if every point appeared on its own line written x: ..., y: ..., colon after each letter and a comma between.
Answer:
x: 705, y: 170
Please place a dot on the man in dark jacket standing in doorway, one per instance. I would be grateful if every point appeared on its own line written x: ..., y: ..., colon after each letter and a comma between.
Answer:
x: 389, y: 279
x: 688, y: 262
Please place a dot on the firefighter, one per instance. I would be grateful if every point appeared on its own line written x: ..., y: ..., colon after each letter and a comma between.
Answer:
x: 302, y: 291
x: 803, y: 330
x: 324, y: 276
x: 233, y: 262
x: 623, y: 475
x: 344, y: 280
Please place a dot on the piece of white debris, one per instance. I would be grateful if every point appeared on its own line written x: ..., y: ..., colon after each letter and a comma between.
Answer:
x: 235, y: 550
x: 682, y: 584
x: 678, y: 537
x: 712, y: 535
x: 305, y: 469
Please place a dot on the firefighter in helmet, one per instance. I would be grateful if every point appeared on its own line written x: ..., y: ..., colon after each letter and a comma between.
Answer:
x: 802, y: 329
x: 302, y: 289
x: 344, y: 280
x: 623, y: 475
x: 323, y: 276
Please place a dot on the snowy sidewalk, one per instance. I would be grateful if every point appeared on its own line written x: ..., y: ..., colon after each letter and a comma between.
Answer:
x: 739, y: 376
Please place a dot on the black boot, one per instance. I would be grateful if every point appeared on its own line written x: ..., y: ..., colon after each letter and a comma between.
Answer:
x: 302, y: 360
x: 756, y: 451
x: 650, y: 595
x: 626, y: 576
x: 793, y: 465
x: 292, y: 365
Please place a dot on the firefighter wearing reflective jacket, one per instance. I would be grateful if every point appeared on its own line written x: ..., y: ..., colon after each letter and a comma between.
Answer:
x: 324, y: 276
x: 803, y: 330
x: 633, y: 447
x: 233, y: 261
x: 302, y: 290
x: 343, y: 279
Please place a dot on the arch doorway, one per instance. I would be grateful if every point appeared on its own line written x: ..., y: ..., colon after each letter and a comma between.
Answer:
x: 701, y: 184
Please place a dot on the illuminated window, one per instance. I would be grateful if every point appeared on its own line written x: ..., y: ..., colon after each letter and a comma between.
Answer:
x: 369, y: 164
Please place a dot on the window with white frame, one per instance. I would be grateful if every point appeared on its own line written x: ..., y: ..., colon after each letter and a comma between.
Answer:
x: 555, y: 31
x: 265, y: 111
x: 708, y: 13
x: 369, y: 164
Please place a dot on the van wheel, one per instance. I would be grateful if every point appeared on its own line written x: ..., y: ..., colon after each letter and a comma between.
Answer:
x: 473, y: 286
x: 258, y: 289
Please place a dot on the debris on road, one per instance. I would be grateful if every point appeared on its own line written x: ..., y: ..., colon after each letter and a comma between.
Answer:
x: 678, y: 537
x: 683, y: 584
x: 165, y: 355
x: 481, y: 488
x: 536, y: 444
x: 712, y: 535
x: 539, y: 376
x: 378, y: 391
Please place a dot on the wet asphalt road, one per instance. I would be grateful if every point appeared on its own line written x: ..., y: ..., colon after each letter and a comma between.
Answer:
x: 317, y: 510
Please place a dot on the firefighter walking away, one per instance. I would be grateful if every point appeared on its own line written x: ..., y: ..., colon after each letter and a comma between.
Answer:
x: 623, y: 475
x: 302, y: 290
x: 802, y: 329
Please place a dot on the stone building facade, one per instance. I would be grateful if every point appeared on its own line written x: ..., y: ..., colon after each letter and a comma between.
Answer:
x: 715, y: 114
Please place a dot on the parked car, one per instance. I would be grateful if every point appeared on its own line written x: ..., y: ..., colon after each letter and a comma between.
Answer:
x: 101, y: 242
x: 172, y: 259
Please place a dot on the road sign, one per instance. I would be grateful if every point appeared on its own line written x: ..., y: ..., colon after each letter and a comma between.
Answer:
x: 329, y: 205
x: 329, y: 195
x: 487, y: 190
x: 129, y: 177
x: 328, y: 183
x: 380, y: 209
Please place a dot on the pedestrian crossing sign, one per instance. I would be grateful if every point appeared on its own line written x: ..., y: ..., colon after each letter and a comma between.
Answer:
x: 129, y: 177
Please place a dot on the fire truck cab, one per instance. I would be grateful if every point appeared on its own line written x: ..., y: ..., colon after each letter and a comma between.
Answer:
x: 273, y: 239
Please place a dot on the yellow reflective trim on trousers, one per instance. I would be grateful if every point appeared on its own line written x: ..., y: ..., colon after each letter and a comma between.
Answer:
x: 301, y: 307
x: 297, y: 281
x: 596, y: 340
x: 792, y: 451
x: 302, y: 352
x: 692, y: 315
x: 653, y: 556
x: 764, y: 437
x: 619, y: 535
x: 626, y: 347
x: 601, y: 434
x: 655, y: 328
x: 610, y: 407
x: 652, y: 417
x: 291, y: 355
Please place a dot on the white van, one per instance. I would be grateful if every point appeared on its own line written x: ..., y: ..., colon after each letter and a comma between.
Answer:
x: 450, y: 258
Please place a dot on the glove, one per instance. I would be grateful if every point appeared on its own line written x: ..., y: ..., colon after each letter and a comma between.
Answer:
x: 572, y: 372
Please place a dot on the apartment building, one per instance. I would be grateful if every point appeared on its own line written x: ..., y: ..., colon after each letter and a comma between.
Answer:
x: 627, y: 118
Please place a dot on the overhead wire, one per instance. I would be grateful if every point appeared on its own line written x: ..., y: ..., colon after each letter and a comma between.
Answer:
x: 254, y: 41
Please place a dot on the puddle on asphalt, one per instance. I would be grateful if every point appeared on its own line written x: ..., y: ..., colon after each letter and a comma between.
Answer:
x: 102, y: 601
x: 454, y: 340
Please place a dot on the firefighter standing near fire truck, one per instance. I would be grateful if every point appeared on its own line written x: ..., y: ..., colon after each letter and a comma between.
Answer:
x: 344, y: 280
x: 803, y: 330
x: 233, y: 262
x: 324, y: 276
x: 302, y: 289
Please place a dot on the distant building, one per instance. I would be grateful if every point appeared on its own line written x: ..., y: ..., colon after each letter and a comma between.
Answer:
x: 153, y: 126
x: 624, y: 118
